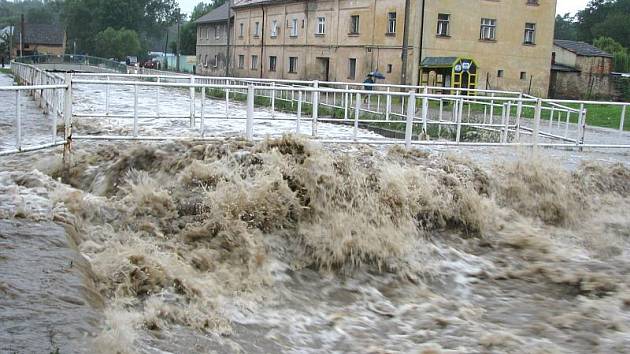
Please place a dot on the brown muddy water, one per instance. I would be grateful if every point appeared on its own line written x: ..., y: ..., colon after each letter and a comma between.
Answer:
x: 286, y: 246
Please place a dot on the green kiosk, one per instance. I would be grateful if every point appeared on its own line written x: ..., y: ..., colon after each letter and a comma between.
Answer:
x: 449, y: 72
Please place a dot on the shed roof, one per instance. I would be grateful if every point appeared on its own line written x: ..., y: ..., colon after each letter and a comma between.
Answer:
x: 438, y: 61
x: 35, y: 33
x: 220, y: 14
x: 564, y: 68
x: 581, y: 48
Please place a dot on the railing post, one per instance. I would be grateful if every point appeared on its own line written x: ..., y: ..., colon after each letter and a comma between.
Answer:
x: 507, y: 121
x: 18, y: 120
x: 623, y: 117
x: 357, y: 114
x: 440, y: 117
x: 299, y: 113
x: 192, y: 102
x: 553, y: 111
x: 107, y: 96
x: 135, y: 110
x: 249, y: 125
x: 503, y: 123
x: 411, y: 113
x: 519, y: 112
x: 460, y: 112
x: 582, y: 125
x: 227, y: 100
x: 492, y: 109
x: 566, y: 125
x: 345, y: 104
x: 273, y: 99
x: 536, y: 123
x: 157, y: 98
x: 315, y: 99
x: 425, y: 112
x: 388, y: 104
x: 203, y: 106
x: 67, y: 117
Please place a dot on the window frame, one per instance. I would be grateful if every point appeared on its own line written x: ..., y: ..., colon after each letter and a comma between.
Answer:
x: 355, y: 26
x: 274, y: 67
x: 294, y: 27
x: 320, y: 25
x: 293, y: 65
x: 444, y: 25
x: 530, y: 32
x: 352, y: 68
x: 391, y: 22
x: 489, y: 28
x: 254, y: 62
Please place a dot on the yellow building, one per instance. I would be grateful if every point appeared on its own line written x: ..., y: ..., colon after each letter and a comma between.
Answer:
x: 497, y: 44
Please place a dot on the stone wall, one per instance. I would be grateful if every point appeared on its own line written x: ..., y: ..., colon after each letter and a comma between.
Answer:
x: 580, y: 85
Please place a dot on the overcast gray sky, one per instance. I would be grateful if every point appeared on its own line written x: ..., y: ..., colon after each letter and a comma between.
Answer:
x: 564, y: 6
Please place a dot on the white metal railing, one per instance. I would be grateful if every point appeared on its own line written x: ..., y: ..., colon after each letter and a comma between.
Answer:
x: 416, y: 111
x: 46, y: 90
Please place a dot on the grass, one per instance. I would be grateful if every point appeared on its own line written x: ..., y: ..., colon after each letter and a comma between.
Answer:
x: 6, y: 71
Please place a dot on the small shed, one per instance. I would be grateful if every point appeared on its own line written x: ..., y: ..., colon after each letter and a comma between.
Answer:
x: 449, y: 72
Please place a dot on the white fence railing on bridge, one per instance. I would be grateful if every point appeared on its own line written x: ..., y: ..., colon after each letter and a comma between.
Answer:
x: 407, y: 115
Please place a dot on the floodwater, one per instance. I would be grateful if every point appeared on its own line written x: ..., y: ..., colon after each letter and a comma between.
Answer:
x: 290, y: 246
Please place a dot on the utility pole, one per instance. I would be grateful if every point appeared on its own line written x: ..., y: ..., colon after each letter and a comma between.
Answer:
x: 179, y: 20
x: 405, y: 44
x: 22, y: 35
x: 229, y: 32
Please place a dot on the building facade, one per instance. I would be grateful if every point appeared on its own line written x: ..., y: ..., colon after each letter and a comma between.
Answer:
x: 39, y: 39
x: 581, y: 71
x: 212, y: 42
x: 497, y: 44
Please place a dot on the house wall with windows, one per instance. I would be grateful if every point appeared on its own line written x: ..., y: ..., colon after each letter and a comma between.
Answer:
x: 318, y: 40
x: 498, y: 35
x: 212, y: 48
x: 343, y: 40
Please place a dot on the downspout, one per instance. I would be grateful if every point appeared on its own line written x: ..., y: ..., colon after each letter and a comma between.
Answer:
x: 262, y: 40
x: 229, y: 32
x: 421, y: 38
x: 405, y: 45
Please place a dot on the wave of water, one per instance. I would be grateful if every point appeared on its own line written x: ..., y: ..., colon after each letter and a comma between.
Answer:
x: 284, y: 246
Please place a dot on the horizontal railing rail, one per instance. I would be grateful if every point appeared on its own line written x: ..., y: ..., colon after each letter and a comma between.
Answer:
x: 409, y: 115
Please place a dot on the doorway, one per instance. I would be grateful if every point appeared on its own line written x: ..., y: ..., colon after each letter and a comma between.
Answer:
x: 324, y: 68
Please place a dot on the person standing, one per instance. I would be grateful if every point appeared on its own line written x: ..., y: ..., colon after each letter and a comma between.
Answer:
x: 3, y: 61
x: 367, y: 86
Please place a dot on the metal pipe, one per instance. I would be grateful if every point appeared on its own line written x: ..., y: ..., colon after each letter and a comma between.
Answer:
x: 203, y: 111
x: 536, y: 123
x: 411, y: 113
x: 357, y: 113
x: 249, y: 125
x: 18, y: 120
x: 623, y: 117
x: 135, y: 110
x: 299, y: 113
x: 315, y: 100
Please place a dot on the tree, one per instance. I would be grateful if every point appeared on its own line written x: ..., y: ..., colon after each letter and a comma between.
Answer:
x: 189, y: 29
x: 86, y: 18
x: 117, y: 44
x: 605, y: 18
x: 566, y: 27
x: 609, y: 45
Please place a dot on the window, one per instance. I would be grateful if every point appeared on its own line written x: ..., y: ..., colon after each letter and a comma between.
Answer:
x: 216, y: 61
x: 273, y: 61
x: 488, y: 29
x: 241, y: 61
x: 208, y: 33
x: 274, y: 28
x: 530, y: 33
x: 352, y: 68
x: 443, y: 25
x: 205, y: 60
x: 241, y: 30
x: 354, y: 24
x: 389, y: 68
x: 294, y: 29
x: 254, y: 62
x: 217, y: 29
x: 256, y: 29
x: 500, y: 73
x: 391, y: 22
x: 321, y: 25
x: 293, y: 62
x: 523, y: 75
x: 532, y: 2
